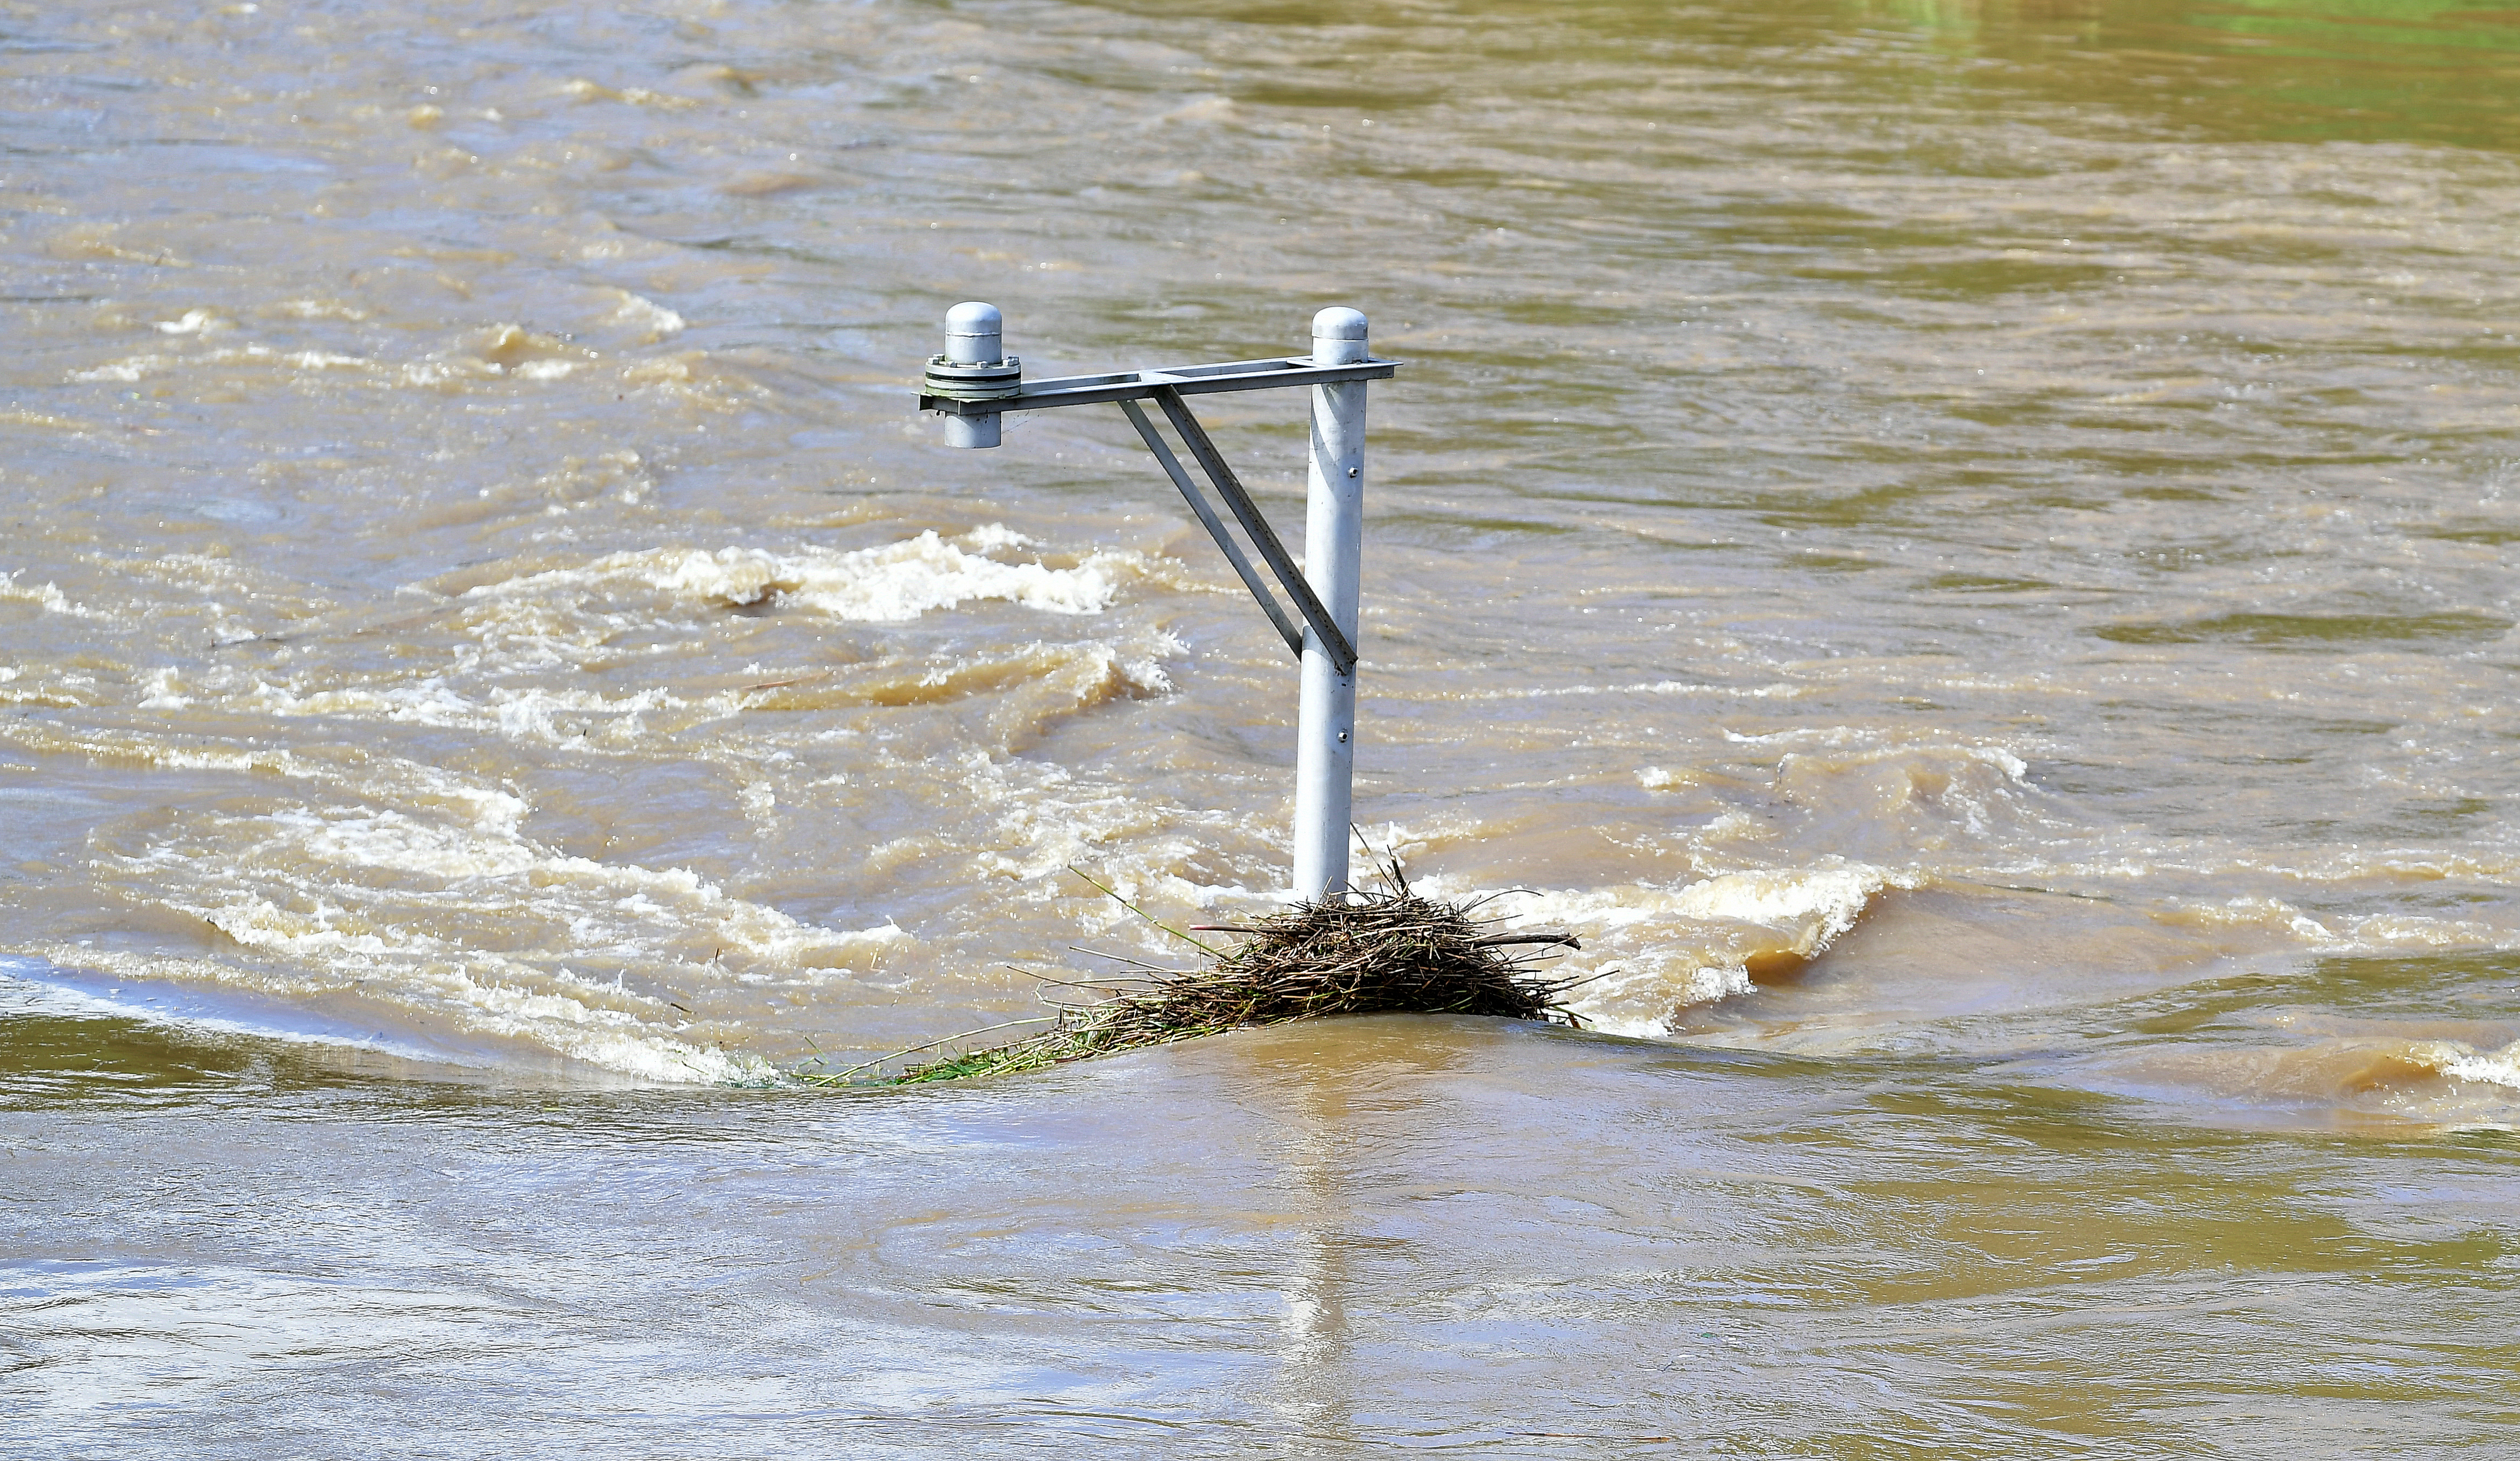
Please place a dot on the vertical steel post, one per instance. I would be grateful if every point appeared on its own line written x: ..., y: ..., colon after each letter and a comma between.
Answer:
x: 1333, y: 531
x: 975, y: 335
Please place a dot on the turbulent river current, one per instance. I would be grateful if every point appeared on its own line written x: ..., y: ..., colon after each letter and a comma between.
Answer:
x: 1965, y: 549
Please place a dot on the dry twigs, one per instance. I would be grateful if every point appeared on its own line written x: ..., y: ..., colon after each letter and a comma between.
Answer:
x: 1374, y: 952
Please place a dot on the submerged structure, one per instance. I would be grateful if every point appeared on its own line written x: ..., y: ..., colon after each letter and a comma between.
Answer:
x: 1336, y: 950
x: 974, y: 382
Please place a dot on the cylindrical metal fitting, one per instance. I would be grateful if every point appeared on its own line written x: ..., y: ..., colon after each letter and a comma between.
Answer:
x: 1338, y: 335
x: 1333, y: 534
x: 975, y: 335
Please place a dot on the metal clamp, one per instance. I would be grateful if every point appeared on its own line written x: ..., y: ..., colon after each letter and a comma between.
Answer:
x: 989, y: 381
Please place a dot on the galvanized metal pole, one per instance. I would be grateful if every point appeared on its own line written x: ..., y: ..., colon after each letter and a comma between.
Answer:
x: 1333, y: 533
x: 975, y: 335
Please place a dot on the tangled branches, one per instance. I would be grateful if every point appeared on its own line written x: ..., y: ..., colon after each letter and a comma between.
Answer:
x: 1372, y: 952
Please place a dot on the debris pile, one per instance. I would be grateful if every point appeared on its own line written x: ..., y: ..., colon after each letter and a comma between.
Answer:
x: 1370, y: 953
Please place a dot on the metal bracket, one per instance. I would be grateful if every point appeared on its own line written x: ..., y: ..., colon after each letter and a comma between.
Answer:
x: 1166, y: 388
x: 974, y: 382
x: 1142, y: 384
x: 1248, y: 513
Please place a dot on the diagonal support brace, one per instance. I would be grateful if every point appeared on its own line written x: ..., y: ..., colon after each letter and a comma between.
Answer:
x: 1246, y: 512
x: 1216, y: 529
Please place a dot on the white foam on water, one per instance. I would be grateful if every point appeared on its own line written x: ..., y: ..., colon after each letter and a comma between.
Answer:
x: 429, y: 702
x: 995, y: 537
x: 1657, y: 950
x: 2130, y: 854
x: 2272, y: 915
x: 890, y: 584
x: 1031, y: 683
x: 2492, y: 1067
x: 607, y: 901
x: 1973, y: 791
x: 652, y: 319
x: 125, y: 371
x: 191, y: 322
x: 1577, y: 692
x: 1821, y: 903
x: 581, y: 718
x: 894, y: 583
x: 158, y: 691
x: 483, y: 928
x: 511, y: 352
x: 533, y: 713
x: 1044, y: 818
x: 46, y: 596
x: 2387, y: 932
x: 392, y: 779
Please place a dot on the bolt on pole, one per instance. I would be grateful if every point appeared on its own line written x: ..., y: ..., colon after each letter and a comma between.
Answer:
x: 974, y: 382
x: 1333, y: 537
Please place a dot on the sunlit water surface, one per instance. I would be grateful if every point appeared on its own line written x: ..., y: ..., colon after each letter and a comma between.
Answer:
x: 1964, y: 549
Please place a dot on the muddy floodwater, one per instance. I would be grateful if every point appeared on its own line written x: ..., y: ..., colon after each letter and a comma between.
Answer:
x: 1967, y: 550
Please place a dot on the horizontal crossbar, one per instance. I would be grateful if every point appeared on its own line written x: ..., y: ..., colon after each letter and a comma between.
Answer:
x: 1143, y: 385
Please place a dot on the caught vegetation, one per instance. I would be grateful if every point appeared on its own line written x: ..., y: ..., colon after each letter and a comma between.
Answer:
x: 1378, y: 951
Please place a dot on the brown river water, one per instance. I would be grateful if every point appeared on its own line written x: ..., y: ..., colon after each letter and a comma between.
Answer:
x: 1965, y: 548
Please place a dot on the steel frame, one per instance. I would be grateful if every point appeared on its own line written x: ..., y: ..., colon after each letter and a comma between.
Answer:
x: 1167, y: 389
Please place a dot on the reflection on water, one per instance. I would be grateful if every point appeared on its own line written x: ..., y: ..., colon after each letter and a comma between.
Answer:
x: 1318, y: 1380
x: 1965, y: 548
x: 1384, y: 1233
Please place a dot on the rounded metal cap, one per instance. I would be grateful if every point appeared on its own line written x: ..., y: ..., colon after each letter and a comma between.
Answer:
x: 971, y: 317
x: 974, y: 334
x: 1338, y: 321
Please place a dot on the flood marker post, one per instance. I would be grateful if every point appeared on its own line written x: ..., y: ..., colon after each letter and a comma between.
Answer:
x: 974, y: 382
